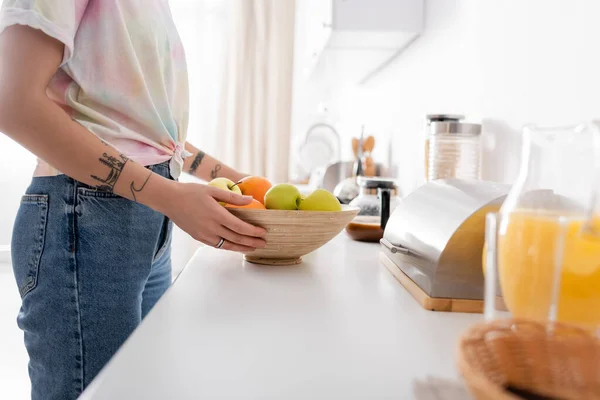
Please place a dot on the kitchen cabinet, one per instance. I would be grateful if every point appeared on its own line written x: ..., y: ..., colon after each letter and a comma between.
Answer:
x: 356, y: 36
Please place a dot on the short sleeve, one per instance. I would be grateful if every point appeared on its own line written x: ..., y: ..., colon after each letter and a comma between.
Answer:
x: 59, y: 19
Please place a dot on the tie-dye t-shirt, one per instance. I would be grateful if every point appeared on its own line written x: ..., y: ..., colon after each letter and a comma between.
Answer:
x: 123, y: 75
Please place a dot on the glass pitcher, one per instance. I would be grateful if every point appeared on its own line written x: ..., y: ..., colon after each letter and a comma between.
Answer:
x: 542, y: 256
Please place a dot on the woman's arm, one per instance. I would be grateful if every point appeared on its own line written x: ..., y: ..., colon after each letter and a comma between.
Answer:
x: 207, y: 168
x: 28, y: 60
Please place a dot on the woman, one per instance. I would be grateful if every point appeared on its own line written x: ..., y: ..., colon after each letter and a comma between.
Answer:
x: 97, y: 89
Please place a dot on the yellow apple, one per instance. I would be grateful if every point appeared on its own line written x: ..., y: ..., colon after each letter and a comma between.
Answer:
x: 320, y: 200
x: 225, y: 184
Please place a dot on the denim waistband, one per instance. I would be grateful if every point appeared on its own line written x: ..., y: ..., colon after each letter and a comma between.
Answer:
x: 162, y: 169
x: 43, y: 169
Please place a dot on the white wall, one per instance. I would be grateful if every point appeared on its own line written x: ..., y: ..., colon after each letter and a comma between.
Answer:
x: 504, y: 62
x: 16, y: 169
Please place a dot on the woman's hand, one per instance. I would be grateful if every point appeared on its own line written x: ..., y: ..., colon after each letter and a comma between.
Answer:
x: 195, y: 209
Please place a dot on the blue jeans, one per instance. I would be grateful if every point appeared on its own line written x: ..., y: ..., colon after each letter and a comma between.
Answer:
x: 89, y: 266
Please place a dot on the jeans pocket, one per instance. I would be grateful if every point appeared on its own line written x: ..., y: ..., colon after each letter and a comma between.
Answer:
x: 28, y: 239
x: 165, y: 239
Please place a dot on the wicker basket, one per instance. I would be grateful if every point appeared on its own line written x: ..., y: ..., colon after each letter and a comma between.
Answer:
x: 552, y: 360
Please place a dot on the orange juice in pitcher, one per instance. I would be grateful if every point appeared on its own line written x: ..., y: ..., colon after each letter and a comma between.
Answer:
x: 547, y: 260
x: 543, y: 247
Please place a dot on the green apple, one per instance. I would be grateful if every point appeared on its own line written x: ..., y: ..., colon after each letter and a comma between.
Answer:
x: 225, y: 184
x: 320, y: 200
x: 282, y: 197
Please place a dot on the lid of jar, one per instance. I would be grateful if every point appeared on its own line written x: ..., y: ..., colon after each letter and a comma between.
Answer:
x: 375, y: 182
x: 453, y: 127
x: 444, y: 117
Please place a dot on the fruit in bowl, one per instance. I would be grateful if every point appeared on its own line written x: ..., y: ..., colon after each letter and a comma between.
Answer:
x: 283, y: 197
x: 254, y: 186
x: 320, y: 200
x: 296, y: 225
x: 255, y: 205
x: 225, y: 184
x: 287, y: 197
x: 279, y: 197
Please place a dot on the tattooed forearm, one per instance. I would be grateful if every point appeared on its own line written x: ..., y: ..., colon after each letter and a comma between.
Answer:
x: 115, y: 165
x: 197, y: 161
x: 135, y: 190
x: 214, y: 173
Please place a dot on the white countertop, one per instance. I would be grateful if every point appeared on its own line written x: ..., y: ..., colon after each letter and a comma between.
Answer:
x: 337, y: 326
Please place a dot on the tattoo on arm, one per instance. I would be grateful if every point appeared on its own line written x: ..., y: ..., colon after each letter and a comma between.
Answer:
x: 135, y: 190
x: 197, y: 161
x: 115, y: 165
x: 214, y: 173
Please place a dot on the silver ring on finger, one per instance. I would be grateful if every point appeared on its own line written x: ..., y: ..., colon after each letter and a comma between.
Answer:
x: 221, y: 242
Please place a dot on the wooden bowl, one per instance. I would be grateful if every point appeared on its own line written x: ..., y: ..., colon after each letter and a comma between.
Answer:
x: 293, y: 234
x: 515, y: 359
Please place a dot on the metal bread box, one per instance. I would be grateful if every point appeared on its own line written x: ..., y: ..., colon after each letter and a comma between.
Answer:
x: 433, y: 242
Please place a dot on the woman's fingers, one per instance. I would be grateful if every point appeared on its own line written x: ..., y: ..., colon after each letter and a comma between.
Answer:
x: 239, y: 239
x: 236, y: 247
x: 209, y: 239
x: 214, y: 241
x: 233, y: 240
x: 231, y: 221
x: 237, y: 225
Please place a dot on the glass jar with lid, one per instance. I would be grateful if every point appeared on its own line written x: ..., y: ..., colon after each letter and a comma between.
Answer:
x: 452, y: 148
x: 377, y: 199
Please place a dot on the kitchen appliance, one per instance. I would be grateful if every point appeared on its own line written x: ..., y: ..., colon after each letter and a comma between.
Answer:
x: 433, y: 242
x: 378, y: 198
x: 452, y: 148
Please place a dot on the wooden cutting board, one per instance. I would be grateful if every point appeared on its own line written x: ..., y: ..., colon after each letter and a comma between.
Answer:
x: 426, y: 301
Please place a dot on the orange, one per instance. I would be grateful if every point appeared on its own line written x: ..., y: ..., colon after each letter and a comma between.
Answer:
x: 257, y: 205
x: 255, y: 186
